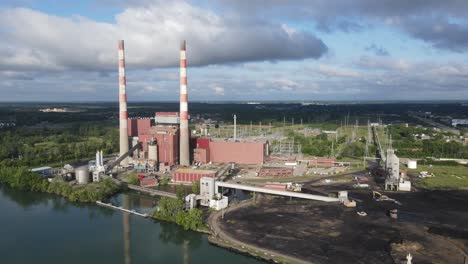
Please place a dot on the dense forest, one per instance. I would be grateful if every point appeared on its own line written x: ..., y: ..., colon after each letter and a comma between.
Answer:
x: 26, y: 146
x: 56, y: 138
x: 406, y: 145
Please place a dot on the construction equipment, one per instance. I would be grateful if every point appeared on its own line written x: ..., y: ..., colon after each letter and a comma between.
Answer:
x: 380, y: 197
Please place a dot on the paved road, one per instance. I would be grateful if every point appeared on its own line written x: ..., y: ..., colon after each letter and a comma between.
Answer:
x: 436, y: 124
x: 322, y: 177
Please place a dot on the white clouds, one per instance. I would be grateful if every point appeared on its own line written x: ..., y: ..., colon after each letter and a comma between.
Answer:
x: 53, y: 56
x: 337, y: 72
x: 33, y: 40
x: 285, y: 84
x: 289, y: 30
x: 218, y: 90
x: 383, y: 63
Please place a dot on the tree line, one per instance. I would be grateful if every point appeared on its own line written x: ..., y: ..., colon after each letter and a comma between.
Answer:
x: 23, y: 179
x: 31, y: 147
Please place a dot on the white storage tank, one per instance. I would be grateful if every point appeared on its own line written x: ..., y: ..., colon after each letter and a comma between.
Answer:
x: 412, y: 164
x: 153, y: 152
x: 82, y: 175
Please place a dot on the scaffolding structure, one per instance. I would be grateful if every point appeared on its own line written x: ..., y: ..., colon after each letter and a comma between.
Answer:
x: 286, y: 148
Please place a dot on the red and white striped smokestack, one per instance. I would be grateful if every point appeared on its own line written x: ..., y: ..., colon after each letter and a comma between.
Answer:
x: 123, y: 117
x: 184, y: 132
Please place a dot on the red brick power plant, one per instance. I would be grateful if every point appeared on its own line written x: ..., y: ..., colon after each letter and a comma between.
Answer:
x: 123, y: 116
x: 223, y: 151
x: 169, y: 131
x: 184, y: 131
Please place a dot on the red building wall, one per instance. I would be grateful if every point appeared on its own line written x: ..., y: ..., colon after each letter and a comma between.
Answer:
x: 132, y: 128
x: 203, y: 143
x: 190, y: 176
x: 167, y: 139
x: 238, y: 152
x: 167, y: 113
x: 138, y: 126
x: 201, y: 155
x: 322, y: 162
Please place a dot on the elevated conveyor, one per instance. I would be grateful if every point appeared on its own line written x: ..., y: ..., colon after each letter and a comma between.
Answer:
x: 276, y: 192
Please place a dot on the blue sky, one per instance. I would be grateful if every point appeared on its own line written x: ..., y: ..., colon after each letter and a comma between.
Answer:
x: 55, y: 50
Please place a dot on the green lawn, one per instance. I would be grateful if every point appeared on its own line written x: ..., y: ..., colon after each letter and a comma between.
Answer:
x: 446, y: 177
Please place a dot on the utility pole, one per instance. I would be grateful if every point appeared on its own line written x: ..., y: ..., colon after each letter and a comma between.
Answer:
x: 235, y: 127
x: 332, y: 150
x: 366, y: 153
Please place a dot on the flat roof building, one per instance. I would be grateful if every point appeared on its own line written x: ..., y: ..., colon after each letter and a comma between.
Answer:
x: 191, y: 175
x: 224, y: 151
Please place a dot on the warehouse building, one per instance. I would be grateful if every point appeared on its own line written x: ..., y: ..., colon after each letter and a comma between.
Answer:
x: 224, y: 151
x: 191, y: 175
x: 167, y: 141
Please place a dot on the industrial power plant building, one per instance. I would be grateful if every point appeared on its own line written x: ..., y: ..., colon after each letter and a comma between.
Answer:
x: 224, y: 151
x: 190, y: 176
x: 165, y: 139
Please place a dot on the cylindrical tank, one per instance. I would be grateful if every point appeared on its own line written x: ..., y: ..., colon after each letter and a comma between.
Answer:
x: 412, y: 164
x: 153, y: 152
x: 82, y: 175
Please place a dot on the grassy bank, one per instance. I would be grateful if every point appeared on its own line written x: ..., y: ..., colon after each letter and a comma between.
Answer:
x: 446, y: 177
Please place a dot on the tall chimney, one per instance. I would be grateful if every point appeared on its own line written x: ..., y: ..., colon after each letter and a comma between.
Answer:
x: 123, y: 105
x: 184, y: 132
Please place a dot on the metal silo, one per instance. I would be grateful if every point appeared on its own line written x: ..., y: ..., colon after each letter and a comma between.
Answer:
x: 153, y: 152
x: 82, y: 175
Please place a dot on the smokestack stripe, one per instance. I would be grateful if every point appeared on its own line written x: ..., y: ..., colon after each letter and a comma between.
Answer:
x: 184, y: 132
x: 123, y: 116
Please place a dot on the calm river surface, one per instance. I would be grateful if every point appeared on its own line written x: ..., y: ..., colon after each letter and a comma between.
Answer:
x: 43, y: 228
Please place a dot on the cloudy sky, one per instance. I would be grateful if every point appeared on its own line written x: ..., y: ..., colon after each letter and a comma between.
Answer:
x: 54, y: 50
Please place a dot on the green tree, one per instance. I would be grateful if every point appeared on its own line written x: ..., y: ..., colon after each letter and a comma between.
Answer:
x: 180, y: 191
x: 196, y: 187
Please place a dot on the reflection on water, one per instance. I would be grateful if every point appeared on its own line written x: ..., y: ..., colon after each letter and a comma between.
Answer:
x: 86, y: 233
x: 126, y: 228
x: 135, y: 201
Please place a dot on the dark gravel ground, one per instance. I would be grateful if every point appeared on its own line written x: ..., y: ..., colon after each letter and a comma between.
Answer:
x: 431, y: 225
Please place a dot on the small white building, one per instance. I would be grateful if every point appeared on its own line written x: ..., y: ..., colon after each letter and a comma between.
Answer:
x: 404, y: 186
x: 219, y: 203
x: 190, y: 201
x: 209, y: 195
x: 97, y: 176
x: 412, y: 164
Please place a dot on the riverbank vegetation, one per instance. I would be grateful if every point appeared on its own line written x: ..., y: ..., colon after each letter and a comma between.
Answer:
x: 172, y: 210
x: 132, y: 178
x: 23, y: 179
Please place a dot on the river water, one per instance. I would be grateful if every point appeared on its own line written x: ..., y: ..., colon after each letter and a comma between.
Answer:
x: 43, y: 228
